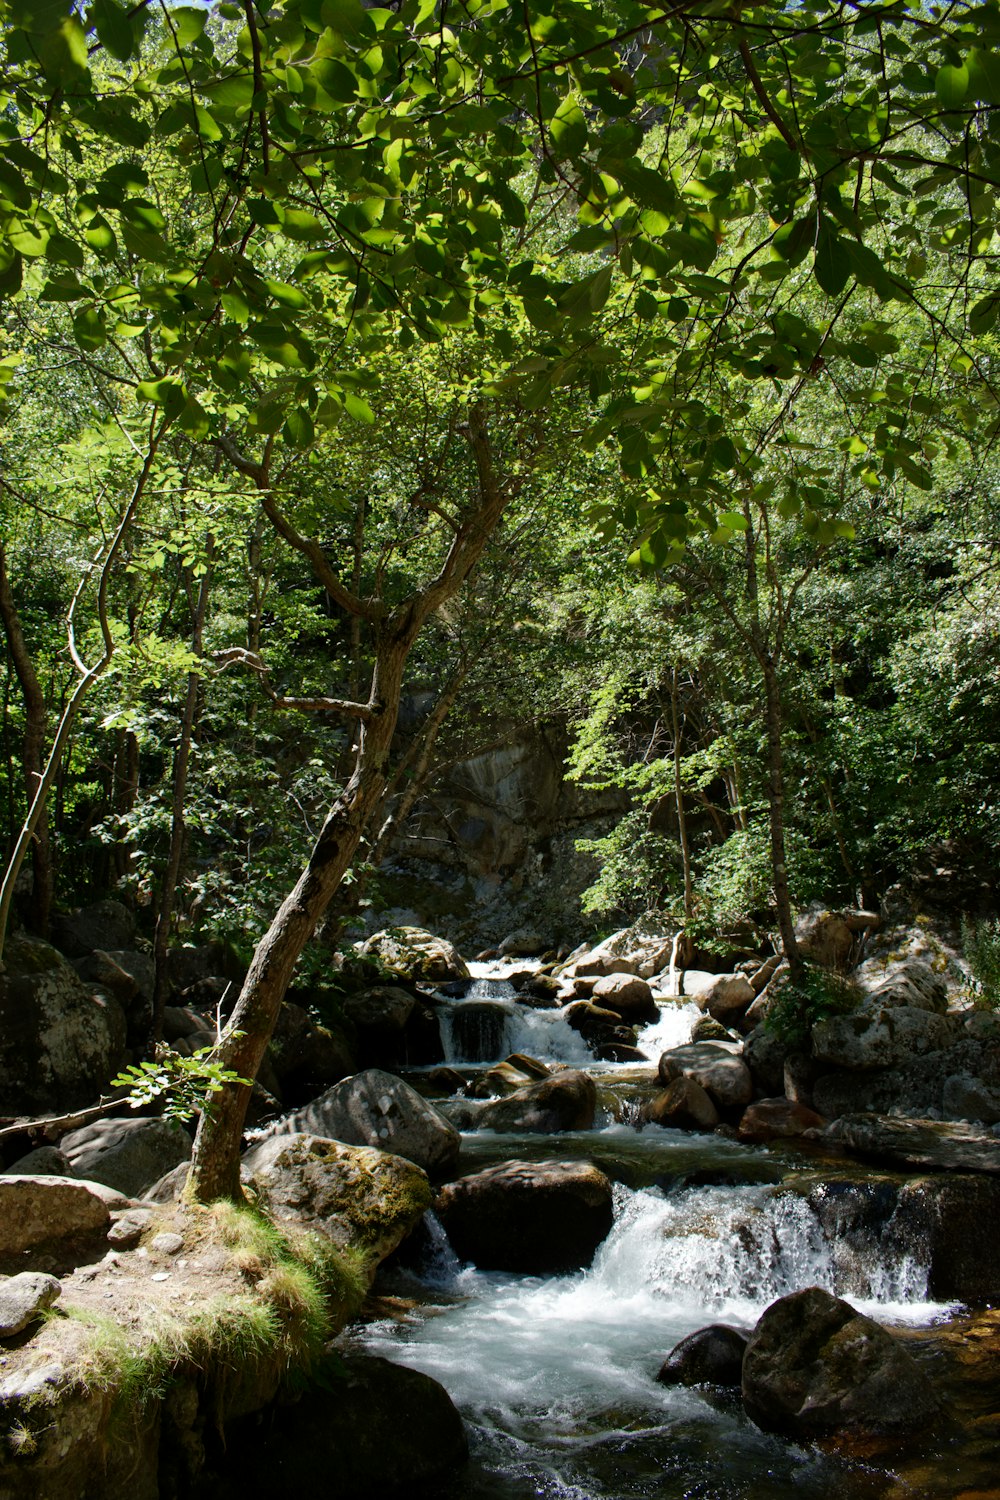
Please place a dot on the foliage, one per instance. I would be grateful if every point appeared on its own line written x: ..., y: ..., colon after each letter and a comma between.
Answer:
x: 981, y: 944
x: 183, y: 1086
x: 815, y: 996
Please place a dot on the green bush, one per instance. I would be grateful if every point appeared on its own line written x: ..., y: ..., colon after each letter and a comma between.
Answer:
x: 814, y: 996
x: 981, y: 941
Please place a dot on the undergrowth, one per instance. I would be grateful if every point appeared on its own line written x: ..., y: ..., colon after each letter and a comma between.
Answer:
x: 981, y: 942
x: 815, y: 996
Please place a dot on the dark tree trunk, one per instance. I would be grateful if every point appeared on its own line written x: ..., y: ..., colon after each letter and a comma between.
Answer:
x: 32, y: 754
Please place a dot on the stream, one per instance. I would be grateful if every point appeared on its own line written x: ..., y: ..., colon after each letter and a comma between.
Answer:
x: 555, y: 1375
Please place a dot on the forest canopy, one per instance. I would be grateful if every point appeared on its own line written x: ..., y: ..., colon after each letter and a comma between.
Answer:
x: 350, y: 352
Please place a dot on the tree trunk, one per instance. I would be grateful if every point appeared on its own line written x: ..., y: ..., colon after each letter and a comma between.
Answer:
x: 32, y: 753
x: 178, y: 823
x: 776, y: 810
x: 215, y: 1167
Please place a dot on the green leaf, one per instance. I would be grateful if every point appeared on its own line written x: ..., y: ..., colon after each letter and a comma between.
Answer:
x: 194, y: 419
x: 984, y: 314
x: 298, y: 430
x: 114, y: 29
x: 188, y: 22
x: 358, y: 409
x: 168, y: 393
x: 832, y: 265
x: 568, y: 129
x: 952, y: 86
x: 90, y: 328
x: 984, y: 76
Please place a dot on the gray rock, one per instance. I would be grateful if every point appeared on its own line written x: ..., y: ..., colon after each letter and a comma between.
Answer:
x: 23, y: 1297
x: 362, y: 1200
x: 777, y: 1119
x: 879, y: 1039
x: 566, y: 1101
x: 717, y: 1067
x: 39, y: 1212
x: 940, y: 1145
x: 44, y: 1161
x: 167, y: 1243
x: 710, y: 1356
x: 814, y: 1367
x: 827, y: 937
x: 966, y: 1098
x: 170, y: 1186
x: 129, y: 1226
x: 708, y: 1029
x: 913, y: 984
x: 377, y: 1109
x: 59, y: 1042
x: 105, y: 924
x: 764, y: 1053
x: 130, y: 1155
x: 415, y: 954
x: 385, y: 1008
x: 533, y: 1217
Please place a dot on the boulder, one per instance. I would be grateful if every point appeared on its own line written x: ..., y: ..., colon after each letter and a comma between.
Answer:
x: 381, y: 1429
x: 60, y: 1043
x: 814, y: 1367
x: 566, y: 1101
x: 710, y: 1356
x: 524, y: 943
x: 628, y: 996
x: 942, y: 1146
x: 683, y: 1105
x: 594, y: 1022
x: 415, y: 954
x: 913, y: 984
x: 377, y: 1109
x: 105, y: 924
x: 23, y: 1298
x: 828, y: 938
x: 966, y: 1098
x: 764, y: 1053
x: 364, y: 1201
x: 879, y: 1039
x: 718, y: 1068
x: 306, y: 1057
x: 777, y: 1119
x: 726, y: 997
x: 942, y: 1220
x: 708, y: 1029
x: 533, y: 1217
x: 44, y: 1161
x: 129, y: 1155
x: 46, y: 1212
x: 385, y: 1008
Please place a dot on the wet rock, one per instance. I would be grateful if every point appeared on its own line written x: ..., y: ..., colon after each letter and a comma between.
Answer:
x: 415, y: 954
x: 129, y: 1155
x: 449, y: 1080
x: 619, y: 1052
x: 60, y: 1043
x: 683, y: 1105
x: 723, y: 1074
x: 540, y: 991
x: 531, y: 1066
x: 591, y: 1021
x: 360, y: 1199
x: 566, y: 1101
x: 879, y: 1039
x: 533, y: 1217
x: 710, y: 1356
x: 940, y: 1145
x: 382, y: 1429
x: 628, y: 996
x: 478, y: 1028
x: 377, y: 1109
x: 777, y: 1119
x: 525, y: 943
x: 814, y: 1367
x: 422, y: 1044
x: 505, y: 1078
x: 726, y: 997
x: 105, y: 924
x: 38, y: 1212
x: 941, y: 1220
x: 23, y: 1298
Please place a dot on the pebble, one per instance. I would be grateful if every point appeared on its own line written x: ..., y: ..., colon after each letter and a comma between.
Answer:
x: 160, y: 1276
x: 167, y: 1244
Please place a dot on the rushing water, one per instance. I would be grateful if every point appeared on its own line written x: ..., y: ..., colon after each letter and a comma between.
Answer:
x: 555, y: 1375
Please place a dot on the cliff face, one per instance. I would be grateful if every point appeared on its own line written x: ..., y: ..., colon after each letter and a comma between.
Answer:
x: 491, y: 847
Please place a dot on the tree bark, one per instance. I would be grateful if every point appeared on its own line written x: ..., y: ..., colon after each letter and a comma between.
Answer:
x: 178, y: 823
x: 776, y: 814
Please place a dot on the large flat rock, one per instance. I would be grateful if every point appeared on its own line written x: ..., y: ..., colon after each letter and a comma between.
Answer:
x: 941, y: 1145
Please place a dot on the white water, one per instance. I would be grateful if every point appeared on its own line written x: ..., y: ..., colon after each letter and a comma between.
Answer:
x: 557, y: 1374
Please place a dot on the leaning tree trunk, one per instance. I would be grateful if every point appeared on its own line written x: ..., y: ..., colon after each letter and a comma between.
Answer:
x: 215, y: 1167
